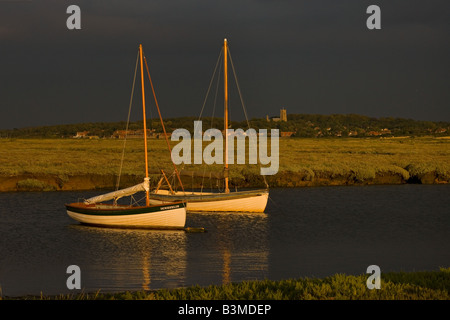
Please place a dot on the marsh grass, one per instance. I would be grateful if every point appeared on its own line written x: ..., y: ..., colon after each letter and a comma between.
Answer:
x: 34, y: 185
x: 358, y: 159
x: 426, y: 285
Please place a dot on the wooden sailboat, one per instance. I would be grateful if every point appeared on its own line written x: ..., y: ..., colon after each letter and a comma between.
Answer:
x: 238, y: 201
x: 94, y: 211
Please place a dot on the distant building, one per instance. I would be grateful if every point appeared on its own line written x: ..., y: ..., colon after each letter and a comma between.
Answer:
x: 286, y: 134
x: 379, y: 133
x: 282, y: 117
x: 81, y: 134
x: 275, y: 119
x: 131, y: 134
x: 139, y: 134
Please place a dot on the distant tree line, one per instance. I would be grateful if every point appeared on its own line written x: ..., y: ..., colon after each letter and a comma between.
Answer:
x: 298, y: 125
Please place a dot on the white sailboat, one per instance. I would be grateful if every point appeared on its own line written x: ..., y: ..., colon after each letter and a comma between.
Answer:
x: 237, y: 201
x: 94, y: 211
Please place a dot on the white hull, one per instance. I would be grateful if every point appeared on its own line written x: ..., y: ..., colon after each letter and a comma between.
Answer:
x: 249, y: 203
x: 159, y: 219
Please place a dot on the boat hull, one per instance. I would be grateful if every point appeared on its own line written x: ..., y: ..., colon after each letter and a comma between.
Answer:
x: 242, y: 201
x: 167, y: 216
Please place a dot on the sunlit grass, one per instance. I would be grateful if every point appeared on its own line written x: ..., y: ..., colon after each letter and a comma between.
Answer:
x: 424, y: 285
x: 360, y: 159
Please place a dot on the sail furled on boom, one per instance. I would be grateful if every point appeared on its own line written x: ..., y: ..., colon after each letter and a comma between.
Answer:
x: 115, y: 195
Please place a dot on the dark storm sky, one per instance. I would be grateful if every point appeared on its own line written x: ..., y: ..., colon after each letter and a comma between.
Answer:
x: 307, y: 56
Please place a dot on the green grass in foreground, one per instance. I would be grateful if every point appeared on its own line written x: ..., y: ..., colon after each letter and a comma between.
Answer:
x: 426, y: 285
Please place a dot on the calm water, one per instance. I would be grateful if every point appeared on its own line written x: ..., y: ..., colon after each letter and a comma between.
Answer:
x: 312, y: 232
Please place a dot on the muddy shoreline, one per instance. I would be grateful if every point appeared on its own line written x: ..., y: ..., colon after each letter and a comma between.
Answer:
x: 285, y: 179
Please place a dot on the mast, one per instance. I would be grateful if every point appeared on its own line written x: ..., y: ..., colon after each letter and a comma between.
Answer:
x: 145, y: 124
x: 225, y: 80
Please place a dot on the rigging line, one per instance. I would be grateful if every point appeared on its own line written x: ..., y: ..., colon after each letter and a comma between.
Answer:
x: 210, y: 83
x: 128, y: 122
x: 215, y: 97
x: 277, y: 205
x: 242, y: 102
x: 162, y: 123
x: 239, y: 89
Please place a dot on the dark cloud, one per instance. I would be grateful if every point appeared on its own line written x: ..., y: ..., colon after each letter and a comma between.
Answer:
x: 306, y: 56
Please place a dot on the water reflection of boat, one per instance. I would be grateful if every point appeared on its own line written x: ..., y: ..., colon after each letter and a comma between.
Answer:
x: 235, y: 249
x: 240, y: 251
x: 138, y: 259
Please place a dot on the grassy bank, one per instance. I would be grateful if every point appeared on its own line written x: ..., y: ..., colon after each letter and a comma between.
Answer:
x: 426, y: 285
x: 74, y: 164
